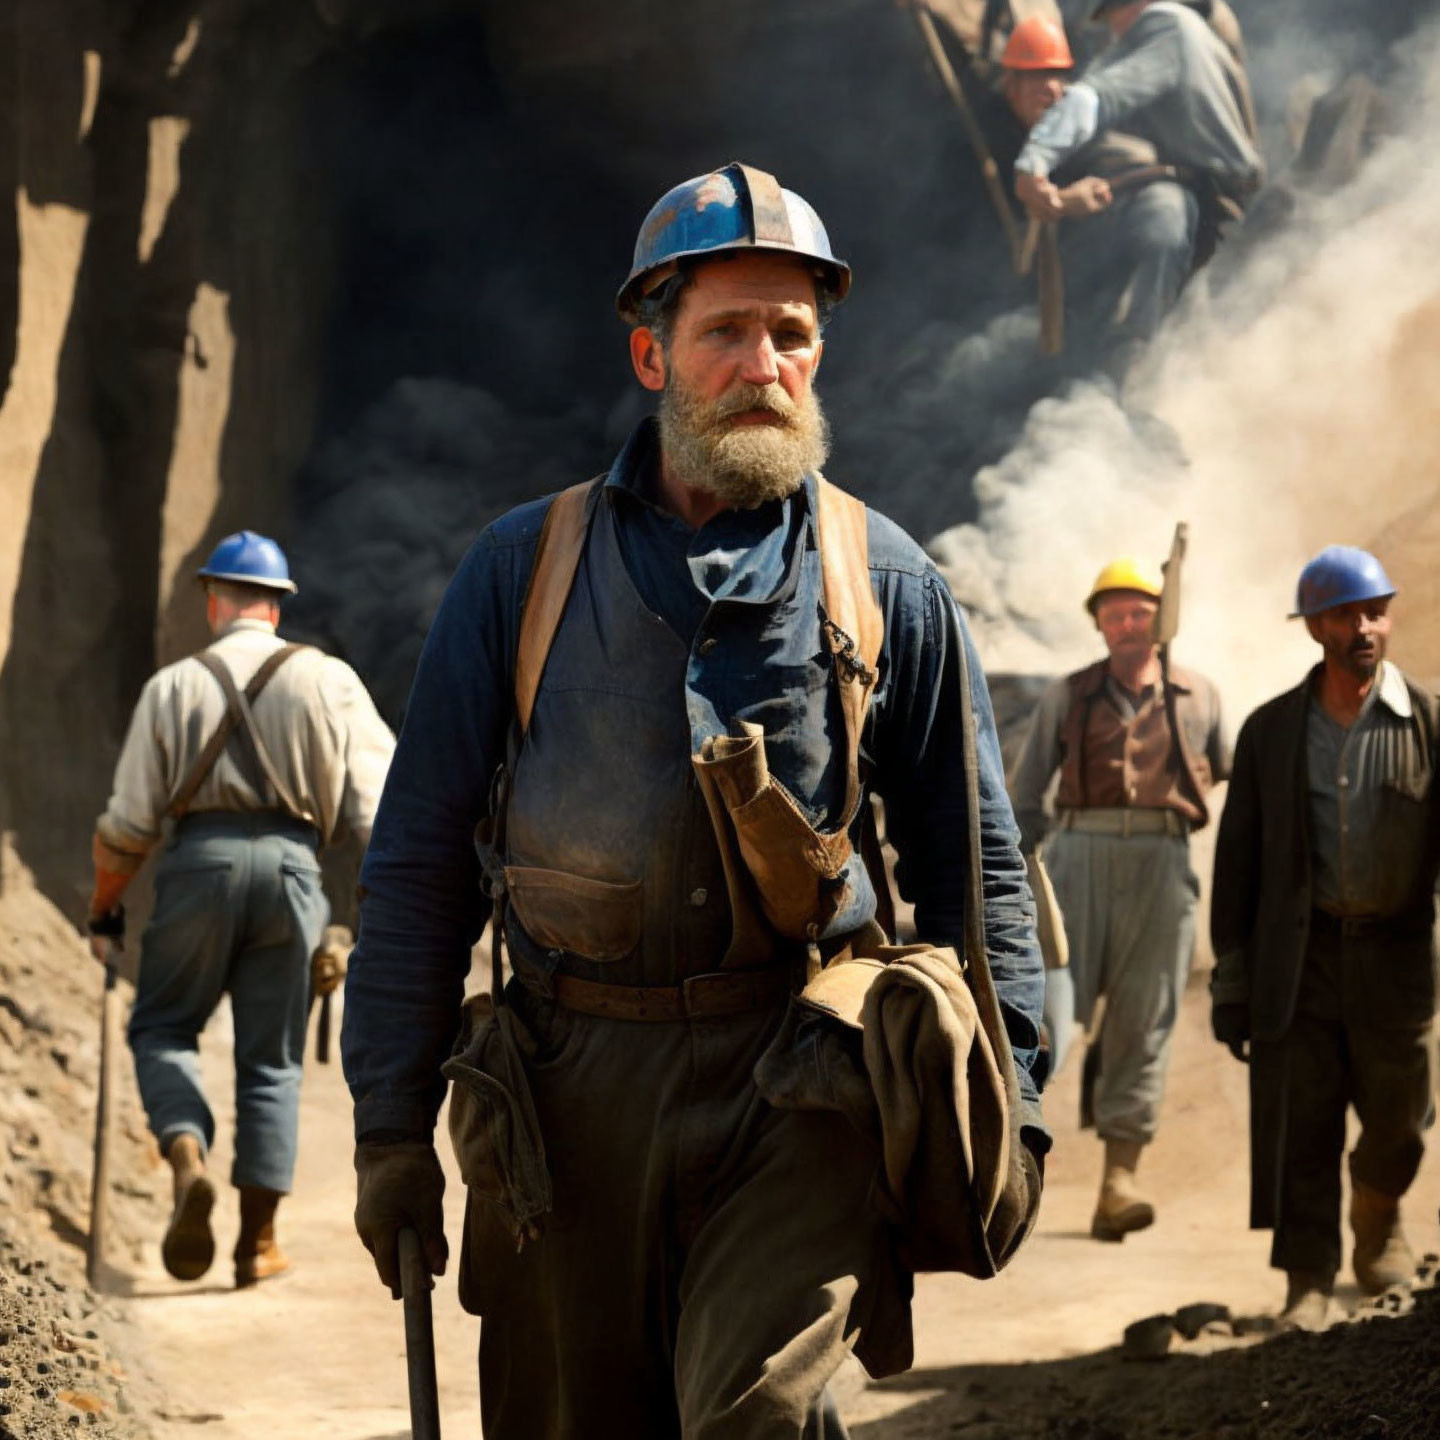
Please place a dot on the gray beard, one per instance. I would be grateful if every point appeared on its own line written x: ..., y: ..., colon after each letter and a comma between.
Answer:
x: 742, y: 465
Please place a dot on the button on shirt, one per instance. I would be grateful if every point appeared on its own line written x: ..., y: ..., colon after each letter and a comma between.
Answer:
x: 1357, y: 843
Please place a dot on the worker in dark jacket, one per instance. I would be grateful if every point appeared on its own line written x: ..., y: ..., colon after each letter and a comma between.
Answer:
x: 1322, y: 920
x: 675, y: 1255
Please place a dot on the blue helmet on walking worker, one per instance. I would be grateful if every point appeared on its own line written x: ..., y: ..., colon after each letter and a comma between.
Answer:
x: 1340, y: 575
x: 734, y: 208
x: 247, y: 558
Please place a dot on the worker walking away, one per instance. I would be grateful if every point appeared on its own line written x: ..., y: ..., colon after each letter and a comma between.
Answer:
x: 1137, y: 753
x: 1171, y: 84
x: 673, y: 696
x: 1323, y: 924
x: 255, y: 751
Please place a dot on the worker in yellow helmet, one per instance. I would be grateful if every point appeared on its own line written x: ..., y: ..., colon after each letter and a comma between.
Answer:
x: 1136, y: 756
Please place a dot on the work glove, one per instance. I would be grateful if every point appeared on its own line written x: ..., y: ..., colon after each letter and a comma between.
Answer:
x: 328, y: 963
x: 106, y: 931
x: 400, y: 1184
x: 1230, y: 1023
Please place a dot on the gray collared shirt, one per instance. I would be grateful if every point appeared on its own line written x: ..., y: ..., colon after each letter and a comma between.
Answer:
x: 1351, y: 852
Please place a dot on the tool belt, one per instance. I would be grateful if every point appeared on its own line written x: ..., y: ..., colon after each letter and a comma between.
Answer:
x: 701, y: 997
x: 1407, y: 926
x: 1123, y: 821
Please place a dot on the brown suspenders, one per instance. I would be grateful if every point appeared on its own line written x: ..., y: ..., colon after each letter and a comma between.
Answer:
x: 237, y: 714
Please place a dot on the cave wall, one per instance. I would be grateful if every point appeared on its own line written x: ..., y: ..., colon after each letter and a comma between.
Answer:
x: 168, y: 282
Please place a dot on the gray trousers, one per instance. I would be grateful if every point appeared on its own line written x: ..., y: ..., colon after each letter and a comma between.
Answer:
x: 1125, y: 268
x: 1361, y: 1036
x: 706, y: 1267
x: 1129, y: 908
x: 238, y: 910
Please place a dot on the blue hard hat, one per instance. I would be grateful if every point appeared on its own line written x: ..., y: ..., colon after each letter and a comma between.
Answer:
x: 246, y: 558
x: 734, y: 208
x: 1340, y: 575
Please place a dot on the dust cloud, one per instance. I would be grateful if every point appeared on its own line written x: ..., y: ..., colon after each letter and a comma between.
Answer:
x: 1296, y: 387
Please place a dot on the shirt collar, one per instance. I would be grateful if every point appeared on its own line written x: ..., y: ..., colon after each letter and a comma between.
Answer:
x: 243, y: 624
x: 1393, y: 692
x: 1389, y: 690
x: 740, y: 555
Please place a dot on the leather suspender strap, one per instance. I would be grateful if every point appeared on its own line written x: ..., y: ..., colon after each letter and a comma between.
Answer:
x: 854, y: 624
x: 234, y: 715
x: 557, y: 558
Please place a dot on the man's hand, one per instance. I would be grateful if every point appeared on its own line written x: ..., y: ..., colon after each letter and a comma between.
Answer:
x: 397, y: 1185
x: 1039, y: 197
x: 1230, y: 1024
x: 107, y: 931
x: 329, y: 962
x: 1086, y: 197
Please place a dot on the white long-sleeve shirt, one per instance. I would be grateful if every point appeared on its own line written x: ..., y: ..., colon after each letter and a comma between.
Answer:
x: 327, y: 741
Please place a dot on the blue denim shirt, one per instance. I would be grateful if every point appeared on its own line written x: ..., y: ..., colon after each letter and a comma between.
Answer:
x: 422, y: 909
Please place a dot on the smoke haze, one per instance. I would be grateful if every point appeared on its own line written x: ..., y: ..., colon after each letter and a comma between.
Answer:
x: 1300, y: 396
x: 475, y: 362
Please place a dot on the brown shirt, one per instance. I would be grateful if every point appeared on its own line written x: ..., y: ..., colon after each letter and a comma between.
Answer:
x: 1114, y: 749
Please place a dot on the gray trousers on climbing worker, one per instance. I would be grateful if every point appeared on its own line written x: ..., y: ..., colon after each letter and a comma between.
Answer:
x: 1125, y: 268
x: 1129, y: 907
x: 740, y: 1249
x: 239, y: 910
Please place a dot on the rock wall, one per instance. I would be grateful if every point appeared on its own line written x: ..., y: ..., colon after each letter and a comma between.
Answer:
x: 165, y: 283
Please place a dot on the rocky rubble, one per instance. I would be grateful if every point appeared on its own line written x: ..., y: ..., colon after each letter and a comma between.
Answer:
x: 64, y: 1354
x: 58, y: 1375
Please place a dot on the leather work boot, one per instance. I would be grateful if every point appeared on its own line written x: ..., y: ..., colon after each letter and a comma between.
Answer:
x: 1122, y: 1206
x: 257, y: 1255
x: 1307, y: 1300
x: 1382, y: 1257
x: 188, y: 1246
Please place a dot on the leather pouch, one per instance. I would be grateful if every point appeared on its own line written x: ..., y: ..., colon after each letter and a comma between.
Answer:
x: 797, y: 870
x: 493, y: 1125
x: 596, y: 919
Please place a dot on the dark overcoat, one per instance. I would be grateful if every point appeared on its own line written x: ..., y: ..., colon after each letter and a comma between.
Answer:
x: 1263, y: 893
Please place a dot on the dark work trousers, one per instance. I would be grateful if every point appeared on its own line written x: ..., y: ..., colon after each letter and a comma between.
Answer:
x: 705, y: 1268
x: 1363, y: 1036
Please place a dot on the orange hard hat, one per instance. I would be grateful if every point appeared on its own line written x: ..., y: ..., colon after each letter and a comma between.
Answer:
x: 1037, y: 43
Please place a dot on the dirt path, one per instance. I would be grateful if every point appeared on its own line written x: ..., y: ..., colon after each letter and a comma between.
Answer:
x: 320, y: 1354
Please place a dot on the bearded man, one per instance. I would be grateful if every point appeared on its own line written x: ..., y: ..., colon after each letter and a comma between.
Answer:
x: 655, y: 1248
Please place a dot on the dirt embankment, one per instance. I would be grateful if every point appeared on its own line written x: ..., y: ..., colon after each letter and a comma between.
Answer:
x: 67, y: 1357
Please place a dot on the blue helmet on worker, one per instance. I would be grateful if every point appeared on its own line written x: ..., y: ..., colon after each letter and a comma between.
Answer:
x: 1340, y: 575
x: 734, y: 208
x: 247, y: 558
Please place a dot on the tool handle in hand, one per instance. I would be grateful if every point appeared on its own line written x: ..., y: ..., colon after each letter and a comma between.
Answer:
x: 104, y: 1095
x: 322, y: 1032
x: 415, y: 1286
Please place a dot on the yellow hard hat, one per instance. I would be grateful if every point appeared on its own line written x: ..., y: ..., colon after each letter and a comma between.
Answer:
x: 1126, y: 573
